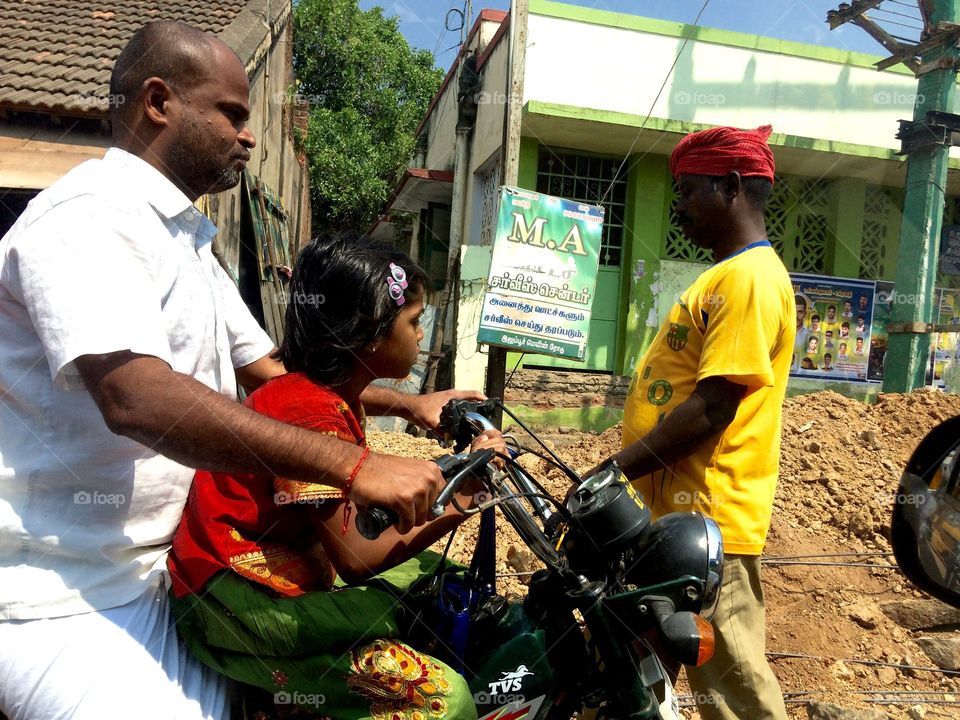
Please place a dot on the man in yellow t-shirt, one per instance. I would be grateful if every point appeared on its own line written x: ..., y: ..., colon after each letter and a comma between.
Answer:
x: 701, y: 427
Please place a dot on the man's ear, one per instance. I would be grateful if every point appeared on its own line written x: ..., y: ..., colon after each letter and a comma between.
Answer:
x: 157, y: 98
x: 732, y: 184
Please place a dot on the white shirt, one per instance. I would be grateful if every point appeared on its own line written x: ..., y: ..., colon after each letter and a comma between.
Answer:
x: 111, y: 257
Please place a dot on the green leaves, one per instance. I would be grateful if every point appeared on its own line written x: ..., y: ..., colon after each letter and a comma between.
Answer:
x: 367, y: 90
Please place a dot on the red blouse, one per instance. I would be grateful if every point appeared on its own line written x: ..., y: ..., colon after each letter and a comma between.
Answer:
x: 259, y: 525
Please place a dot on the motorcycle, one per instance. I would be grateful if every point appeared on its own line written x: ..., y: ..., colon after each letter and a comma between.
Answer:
x: 616, y: 585
x: 925, y: 526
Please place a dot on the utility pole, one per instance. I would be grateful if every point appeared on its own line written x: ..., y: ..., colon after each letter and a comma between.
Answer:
x: 908, y: 349
x: 926, y: 142
x: 510, y: 159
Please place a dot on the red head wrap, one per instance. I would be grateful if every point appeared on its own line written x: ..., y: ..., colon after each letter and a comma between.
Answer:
x: 718, y: 151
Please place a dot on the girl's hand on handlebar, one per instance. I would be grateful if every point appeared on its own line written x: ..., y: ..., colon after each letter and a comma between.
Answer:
x: 490, y: 439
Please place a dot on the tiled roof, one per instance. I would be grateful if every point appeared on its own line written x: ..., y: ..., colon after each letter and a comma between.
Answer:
x: 56, y: 55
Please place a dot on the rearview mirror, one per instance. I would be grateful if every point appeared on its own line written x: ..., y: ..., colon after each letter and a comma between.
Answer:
x: 925, y: 528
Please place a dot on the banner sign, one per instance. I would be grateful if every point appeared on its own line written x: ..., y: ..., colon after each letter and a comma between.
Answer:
x: 882, y: 316
x: 950, y: 250
x: 834, y: 323
x: 543, y: 275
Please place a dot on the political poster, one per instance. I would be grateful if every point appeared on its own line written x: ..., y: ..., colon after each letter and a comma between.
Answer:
x: 543, y: 275
x: 949, y: 250
x: 943, y: 371
x: 945, y: 349
x: 834, y: 324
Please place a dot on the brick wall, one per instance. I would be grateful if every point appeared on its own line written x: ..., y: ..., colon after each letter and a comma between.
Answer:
x: 548, y: 389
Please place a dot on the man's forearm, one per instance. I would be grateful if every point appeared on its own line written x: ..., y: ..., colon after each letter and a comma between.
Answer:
x: 680, y: 433
x: 185, y: 420
x: 709, y: 409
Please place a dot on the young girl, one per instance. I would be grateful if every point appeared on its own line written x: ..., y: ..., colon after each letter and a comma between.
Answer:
x: 259, y: 562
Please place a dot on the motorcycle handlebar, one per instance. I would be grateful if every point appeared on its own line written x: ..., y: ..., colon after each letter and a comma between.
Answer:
x: 372, y: 522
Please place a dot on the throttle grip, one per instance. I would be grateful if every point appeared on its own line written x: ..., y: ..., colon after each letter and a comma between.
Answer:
x: 371, y: 522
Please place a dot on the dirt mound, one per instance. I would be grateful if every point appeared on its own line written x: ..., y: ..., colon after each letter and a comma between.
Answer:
x: 840, y: 465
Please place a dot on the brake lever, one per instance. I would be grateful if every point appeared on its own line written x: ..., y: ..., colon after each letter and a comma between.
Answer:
x: 476, y: 461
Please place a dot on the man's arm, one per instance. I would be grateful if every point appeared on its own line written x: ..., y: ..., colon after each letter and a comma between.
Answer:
x: 258, y: 372
x: 142, y: 398
x: 709, y: 409
x: 424, y: 410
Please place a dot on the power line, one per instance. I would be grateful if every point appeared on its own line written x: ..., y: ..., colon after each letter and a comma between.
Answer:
x: 673, y: 66
x: 444, y: 32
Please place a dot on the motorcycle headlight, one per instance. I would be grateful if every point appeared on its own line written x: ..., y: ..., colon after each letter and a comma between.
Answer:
x: 711, y: 593
x: 680, y: 556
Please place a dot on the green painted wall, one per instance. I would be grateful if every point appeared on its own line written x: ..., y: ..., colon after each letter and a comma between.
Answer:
x: 648, y: 189
x: 846, y: 226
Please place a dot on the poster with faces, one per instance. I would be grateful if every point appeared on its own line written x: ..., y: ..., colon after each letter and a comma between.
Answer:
x: 834, y: 327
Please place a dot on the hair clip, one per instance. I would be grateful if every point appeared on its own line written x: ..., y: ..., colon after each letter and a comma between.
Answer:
x: 396, y: 283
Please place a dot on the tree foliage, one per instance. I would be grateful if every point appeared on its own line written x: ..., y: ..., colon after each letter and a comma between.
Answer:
x: 368, y: 90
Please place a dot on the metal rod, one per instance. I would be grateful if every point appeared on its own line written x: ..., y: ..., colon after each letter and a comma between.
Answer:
x: 830, y: 564
x: 901, y: 692
x: 829, y: 555
x: 805, y: 656
x: 922, y: 702
x: 897, y: 12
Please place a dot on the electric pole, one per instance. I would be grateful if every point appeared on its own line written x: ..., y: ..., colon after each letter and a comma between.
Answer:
x: 926, y: 142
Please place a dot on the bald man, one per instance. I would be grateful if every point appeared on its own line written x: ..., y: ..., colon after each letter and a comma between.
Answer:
x: 122, y: 342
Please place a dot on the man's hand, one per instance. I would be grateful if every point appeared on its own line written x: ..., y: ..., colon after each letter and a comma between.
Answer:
x: 425, y: 409
x: 710, y: 408
x: 405, y: 486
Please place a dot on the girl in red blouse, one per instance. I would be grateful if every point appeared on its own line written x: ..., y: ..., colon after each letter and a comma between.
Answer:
x: 266, y: 571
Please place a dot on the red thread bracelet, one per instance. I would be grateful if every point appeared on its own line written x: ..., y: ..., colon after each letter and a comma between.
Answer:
x: 347, y: 485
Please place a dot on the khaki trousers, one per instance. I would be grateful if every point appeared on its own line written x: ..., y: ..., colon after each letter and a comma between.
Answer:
x: 737, y: 683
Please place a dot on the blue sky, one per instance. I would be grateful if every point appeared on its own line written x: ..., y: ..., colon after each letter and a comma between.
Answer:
x: 422, y: 21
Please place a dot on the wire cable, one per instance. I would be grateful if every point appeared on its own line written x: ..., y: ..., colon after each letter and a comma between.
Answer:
x: 663, y: 85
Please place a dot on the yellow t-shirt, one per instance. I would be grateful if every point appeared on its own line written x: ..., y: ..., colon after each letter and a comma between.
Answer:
x: 737, y: 321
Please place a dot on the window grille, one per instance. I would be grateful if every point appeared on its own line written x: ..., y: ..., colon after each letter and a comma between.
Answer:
x: 881, y: 231
x: 490, y: 188
x: 796, y: 225
x: 678, y: 247
x: 587, y: 179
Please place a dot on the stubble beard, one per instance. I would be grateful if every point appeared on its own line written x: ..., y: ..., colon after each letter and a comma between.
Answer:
x: 191, y: 162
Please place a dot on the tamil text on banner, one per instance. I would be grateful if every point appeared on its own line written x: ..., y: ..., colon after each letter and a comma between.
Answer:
x: 543, y: 275
x: 833, y: 327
